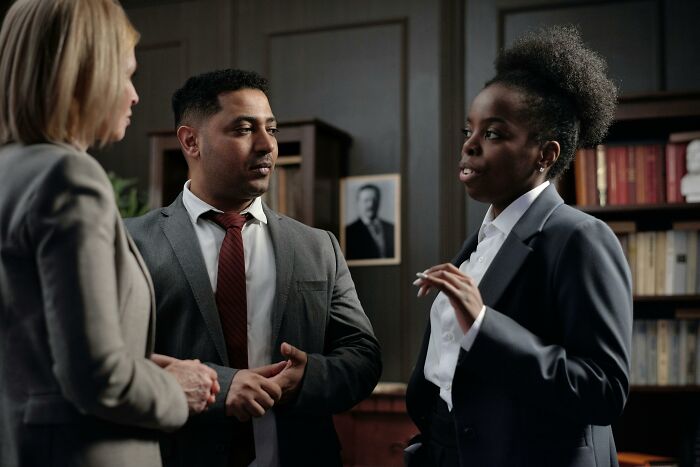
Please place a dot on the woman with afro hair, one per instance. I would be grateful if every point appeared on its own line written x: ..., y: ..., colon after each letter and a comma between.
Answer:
x: 526, y: 358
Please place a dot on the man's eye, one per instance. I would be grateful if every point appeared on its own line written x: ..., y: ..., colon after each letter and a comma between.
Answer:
x: 467, y: 132
x: 273, y: 131
x: 244, y: 130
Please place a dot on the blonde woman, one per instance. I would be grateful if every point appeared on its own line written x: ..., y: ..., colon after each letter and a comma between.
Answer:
x: 76, y: 302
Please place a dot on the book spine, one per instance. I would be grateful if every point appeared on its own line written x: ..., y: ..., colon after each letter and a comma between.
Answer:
x: 580, y: 177
x: 612, y: 175
x: 601, y: 175
x: 662, y: 352
x: 640, y: 171
x: 660, y: 264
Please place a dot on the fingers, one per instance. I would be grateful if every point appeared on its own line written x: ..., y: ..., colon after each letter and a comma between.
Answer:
x: 427, y: 279
x: 297, y: 357
x: 269, y: 371
x: 198, y: 382
x: 251, y: 395
x: 273, y: 389
x: 162, y: 360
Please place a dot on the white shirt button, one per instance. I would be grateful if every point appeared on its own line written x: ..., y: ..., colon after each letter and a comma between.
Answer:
x: 449, y: 387
x: 449, y: 336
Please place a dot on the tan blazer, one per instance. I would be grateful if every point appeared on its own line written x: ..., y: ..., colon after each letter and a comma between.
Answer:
x: 76, y: 321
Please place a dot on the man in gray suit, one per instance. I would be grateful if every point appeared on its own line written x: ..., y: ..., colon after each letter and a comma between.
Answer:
x: 311, y: 349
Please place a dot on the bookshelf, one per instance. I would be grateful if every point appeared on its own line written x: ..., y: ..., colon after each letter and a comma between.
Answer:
x: 305, y: 183
x: 662, y: 416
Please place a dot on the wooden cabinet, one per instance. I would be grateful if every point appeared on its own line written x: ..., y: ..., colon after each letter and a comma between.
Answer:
x: 305, y: 183
x: 663, y: 413
x: 376, y: 431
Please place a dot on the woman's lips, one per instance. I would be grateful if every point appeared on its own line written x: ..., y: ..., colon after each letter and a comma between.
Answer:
x: 467, y: 174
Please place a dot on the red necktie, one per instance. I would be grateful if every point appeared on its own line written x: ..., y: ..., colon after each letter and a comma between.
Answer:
x: 233, y: 313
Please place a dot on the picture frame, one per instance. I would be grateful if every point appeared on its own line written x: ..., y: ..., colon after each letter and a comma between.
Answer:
x: 370, y: 219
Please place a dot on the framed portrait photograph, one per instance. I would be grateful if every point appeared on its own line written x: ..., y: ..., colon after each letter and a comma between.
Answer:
x: 370, y: 222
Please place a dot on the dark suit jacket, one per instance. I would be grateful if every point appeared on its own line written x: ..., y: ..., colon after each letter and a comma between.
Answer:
x: 548, y: 371
x: 359, y: 243
x: 316, y: 309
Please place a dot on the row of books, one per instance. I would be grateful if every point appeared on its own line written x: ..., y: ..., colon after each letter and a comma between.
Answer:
x: 665, y: 352
x: 664, y: 262
x: 627, y: 174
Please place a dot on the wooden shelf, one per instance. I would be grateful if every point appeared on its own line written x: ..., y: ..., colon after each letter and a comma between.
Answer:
x: 664, y: 306
x: 665, y: 390
x: 657, y: 105
x: 647, y: 216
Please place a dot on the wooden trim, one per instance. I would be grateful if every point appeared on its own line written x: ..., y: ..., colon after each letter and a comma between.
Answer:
x: 452, y: 199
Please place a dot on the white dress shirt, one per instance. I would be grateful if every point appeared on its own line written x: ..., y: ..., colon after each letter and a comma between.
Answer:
x: 446, y: 337
x: 261, y: 277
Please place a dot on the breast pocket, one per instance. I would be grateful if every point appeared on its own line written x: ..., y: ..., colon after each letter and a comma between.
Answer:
x: 312, y: 313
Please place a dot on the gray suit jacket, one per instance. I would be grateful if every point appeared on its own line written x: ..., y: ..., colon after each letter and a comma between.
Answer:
x: 316, y: 309
x: 548, y: 371
x: 76, y: 320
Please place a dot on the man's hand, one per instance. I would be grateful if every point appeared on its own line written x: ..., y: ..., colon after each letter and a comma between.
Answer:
x: 290, y: 378
x: 253, y: 392
x: 199, y: 382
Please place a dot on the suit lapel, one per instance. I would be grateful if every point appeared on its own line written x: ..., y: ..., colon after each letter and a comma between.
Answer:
x: 178, y: 229
x: 516, y: 249
x: 284, y: 265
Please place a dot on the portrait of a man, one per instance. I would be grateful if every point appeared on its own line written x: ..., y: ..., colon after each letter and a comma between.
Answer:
x: 369, y: 234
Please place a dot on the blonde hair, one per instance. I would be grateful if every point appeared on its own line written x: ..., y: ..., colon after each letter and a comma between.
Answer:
x: 62, y: 70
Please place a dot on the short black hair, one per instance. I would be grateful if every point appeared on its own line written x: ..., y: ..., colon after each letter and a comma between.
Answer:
x: 568, y: 95
x: 371, y: 186
x: 199, y: 96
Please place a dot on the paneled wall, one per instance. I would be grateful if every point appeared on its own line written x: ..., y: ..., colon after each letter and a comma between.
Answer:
x: 178, y: 39
x: 372, y: 69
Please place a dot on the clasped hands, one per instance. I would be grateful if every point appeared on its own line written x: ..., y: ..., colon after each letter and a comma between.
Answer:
x: 254, y: 391
x: 460, y: 289
x: 199, y: 382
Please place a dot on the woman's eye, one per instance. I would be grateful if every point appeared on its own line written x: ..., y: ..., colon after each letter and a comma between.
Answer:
x: 467, y: 132
x: 490, y: 134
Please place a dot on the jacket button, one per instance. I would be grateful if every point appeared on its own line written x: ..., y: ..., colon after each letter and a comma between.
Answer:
x: 469, y: 432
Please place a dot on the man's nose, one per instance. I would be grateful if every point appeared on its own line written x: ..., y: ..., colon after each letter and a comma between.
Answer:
x: 265, y: 142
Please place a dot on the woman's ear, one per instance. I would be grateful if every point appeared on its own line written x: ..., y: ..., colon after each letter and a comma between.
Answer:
x: 549, y: 154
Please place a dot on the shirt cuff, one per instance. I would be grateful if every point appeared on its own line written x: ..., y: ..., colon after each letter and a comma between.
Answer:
x: 469, y: 337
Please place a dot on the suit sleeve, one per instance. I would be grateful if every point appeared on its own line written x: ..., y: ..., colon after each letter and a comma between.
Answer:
x: 585, y: 377
x: 74, y: 221
x: 350, y: 366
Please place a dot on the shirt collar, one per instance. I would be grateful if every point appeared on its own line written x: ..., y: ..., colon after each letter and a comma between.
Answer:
x: 196, y: 207
x: 512, y: 213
